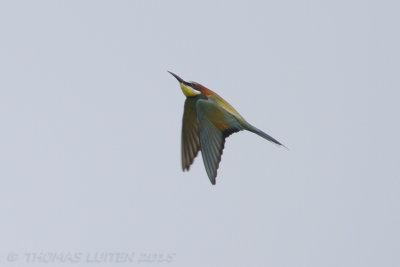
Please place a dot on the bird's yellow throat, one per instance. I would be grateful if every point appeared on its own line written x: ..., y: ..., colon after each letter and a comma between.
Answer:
x: 188, y: 91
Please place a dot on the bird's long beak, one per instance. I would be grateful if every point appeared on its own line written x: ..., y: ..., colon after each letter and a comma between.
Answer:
x: 177, y: 77
x: 185, y: 86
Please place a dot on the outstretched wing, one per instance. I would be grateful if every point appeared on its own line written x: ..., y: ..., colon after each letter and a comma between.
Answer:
x: 190, y: 137
x: 215, y: 124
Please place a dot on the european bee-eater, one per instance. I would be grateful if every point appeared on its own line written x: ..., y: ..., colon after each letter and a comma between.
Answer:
x: 207, y: 120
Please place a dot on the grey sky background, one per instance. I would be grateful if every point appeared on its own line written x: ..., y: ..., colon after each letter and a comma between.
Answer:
x: 91, y: 121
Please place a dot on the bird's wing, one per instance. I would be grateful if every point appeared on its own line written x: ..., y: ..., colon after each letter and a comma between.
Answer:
x: 190, y: 137
x: 215, y: 124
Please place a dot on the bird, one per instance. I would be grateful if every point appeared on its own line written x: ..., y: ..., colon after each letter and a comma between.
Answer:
x: 207, y: 121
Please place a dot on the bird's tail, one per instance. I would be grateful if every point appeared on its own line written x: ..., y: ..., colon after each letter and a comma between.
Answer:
x: 255, y: 130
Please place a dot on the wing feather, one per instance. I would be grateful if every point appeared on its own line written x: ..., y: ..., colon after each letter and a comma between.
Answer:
x: 190, y: 138
x: 215, y: 124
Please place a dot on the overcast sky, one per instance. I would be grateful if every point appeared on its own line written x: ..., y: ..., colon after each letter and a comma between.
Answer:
x: 91, y: 128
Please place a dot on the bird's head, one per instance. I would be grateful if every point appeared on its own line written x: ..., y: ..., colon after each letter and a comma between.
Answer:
x: 189, y: 89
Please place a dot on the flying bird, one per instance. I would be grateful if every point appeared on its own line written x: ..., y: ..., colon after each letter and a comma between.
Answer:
x: 207, y: 120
